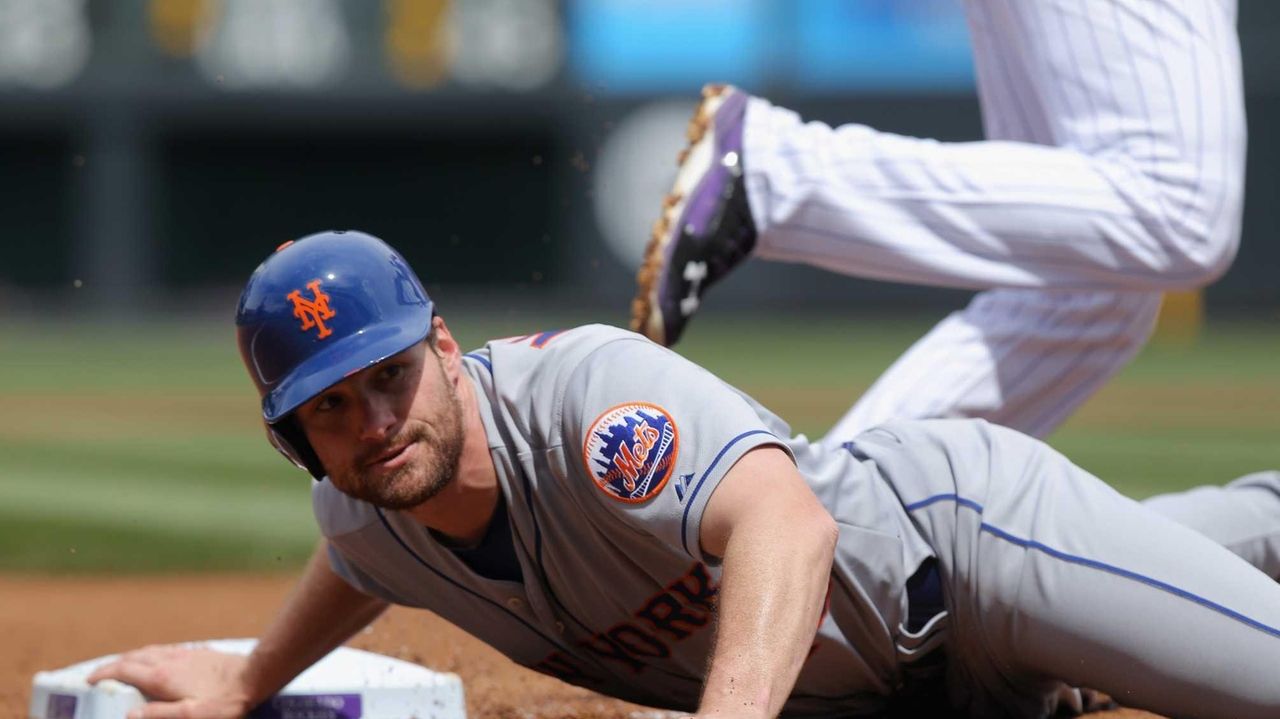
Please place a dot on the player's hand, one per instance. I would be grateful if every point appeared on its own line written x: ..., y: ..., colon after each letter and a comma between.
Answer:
x: 182, y: 683
x: 1073, y: 701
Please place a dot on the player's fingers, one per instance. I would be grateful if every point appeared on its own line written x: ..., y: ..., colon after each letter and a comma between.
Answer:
x: 109, y: 671
x: 148, y: 678
x: 1096, y: 701
x: 150, y: 654
x: 106, y: 671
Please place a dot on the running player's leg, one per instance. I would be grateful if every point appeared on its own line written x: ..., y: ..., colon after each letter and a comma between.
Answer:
x: 1021, y: 358
x: 1243, y: 516
x: 1025, y: 358
x: 1052, y: 577
x: 1142, y: 103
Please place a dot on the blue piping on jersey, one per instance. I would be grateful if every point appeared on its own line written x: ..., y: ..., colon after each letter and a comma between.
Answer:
x: 481, y: 359
x: 943, y: 497
x: 684, y: 521
x: 455, y: 583
x: 537, y: 549
x: 1095, y: 564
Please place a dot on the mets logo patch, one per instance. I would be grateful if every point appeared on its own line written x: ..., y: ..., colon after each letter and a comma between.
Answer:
x: 312, y: 313
x: 630, y: 451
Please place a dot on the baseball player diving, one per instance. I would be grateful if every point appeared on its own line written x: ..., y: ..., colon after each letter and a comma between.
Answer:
x: 1113, y: 170
x: 602, y: 510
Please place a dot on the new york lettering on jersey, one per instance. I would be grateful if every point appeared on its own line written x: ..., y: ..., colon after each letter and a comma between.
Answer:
x: 673, y: 614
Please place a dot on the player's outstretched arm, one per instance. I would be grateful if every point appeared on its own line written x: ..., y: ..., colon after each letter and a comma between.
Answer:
x: 777, y: 542
x: 322, y: 613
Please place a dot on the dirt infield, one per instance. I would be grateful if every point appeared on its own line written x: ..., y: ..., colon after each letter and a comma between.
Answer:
x: 52, y: 622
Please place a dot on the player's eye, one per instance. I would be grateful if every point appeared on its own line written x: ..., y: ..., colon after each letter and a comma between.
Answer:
x: 391, y: 372
x: 327, y: 403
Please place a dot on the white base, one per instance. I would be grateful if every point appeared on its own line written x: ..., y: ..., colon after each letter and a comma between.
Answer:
x: 346, y: 684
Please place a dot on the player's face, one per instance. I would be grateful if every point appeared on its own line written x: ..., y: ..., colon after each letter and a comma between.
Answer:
x: 390, y: 434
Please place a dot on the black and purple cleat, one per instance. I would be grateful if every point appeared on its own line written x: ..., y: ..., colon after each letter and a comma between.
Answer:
x: 705, y: 229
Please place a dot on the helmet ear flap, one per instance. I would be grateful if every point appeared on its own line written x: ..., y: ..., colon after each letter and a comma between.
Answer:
x: 289, y: 439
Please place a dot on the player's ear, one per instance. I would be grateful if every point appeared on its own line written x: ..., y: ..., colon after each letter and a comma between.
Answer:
x: 442, y: 343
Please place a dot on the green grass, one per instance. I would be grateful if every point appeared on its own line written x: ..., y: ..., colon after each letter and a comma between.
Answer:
x: 138, y: 448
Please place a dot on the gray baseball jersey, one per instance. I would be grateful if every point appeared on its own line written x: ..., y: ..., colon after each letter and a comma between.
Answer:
x: 607, y: 449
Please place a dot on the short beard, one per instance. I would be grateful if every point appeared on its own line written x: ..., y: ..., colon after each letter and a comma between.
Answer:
x: 414, y: 483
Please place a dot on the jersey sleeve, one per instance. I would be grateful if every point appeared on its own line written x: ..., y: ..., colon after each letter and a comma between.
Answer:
x: 350, y: 572
x: 649, y: 436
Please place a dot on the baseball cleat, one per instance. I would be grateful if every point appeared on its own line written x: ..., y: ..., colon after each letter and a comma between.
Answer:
x: 705, y: 229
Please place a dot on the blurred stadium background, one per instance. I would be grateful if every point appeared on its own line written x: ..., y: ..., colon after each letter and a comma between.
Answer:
x: 153, y: 151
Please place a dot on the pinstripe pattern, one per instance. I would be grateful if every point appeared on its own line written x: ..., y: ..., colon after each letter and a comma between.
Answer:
x: 1096, y: 364
x: 1016, y: 357
x: 1113, y: 169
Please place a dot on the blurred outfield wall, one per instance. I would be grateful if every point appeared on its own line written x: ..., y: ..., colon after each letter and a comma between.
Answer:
x: 154, y: 150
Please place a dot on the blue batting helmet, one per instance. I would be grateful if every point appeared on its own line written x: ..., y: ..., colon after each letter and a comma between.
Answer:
x: 318, y: 310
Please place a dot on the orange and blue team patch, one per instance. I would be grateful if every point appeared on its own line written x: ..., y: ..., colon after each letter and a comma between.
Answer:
x: 630, y: 450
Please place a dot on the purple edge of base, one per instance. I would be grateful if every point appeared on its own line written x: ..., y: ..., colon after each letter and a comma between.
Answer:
x: 309, y: 706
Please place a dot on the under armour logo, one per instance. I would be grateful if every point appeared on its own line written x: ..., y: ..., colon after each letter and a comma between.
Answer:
x: 695, y: 273
x: 682, y: 485
x: 314, y: 312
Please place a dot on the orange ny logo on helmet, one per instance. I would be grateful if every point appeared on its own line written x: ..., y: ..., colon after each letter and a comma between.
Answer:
x: 314, y: 312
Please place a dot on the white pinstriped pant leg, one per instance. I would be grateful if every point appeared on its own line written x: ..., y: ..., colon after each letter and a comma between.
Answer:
x: 1021, y: 358
x: 1115, y: 160
x: 1114, y: 168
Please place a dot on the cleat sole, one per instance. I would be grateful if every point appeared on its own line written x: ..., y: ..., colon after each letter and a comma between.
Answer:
x: 694, y: 161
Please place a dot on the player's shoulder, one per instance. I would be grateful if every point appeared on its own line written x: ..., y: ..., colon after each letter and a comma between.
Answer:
x: 540, y: 355
x: 583, y: 338
x: 529, y: 377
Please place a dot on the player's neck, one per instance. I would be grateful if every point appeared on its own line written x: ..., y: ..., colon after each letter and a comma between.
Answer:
x: 462, y: 511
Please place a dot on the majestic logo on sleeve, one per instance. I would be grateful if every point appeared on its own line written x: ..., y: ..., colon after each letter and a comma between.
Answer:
x: 312, y: 312
x: 630, y: 451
